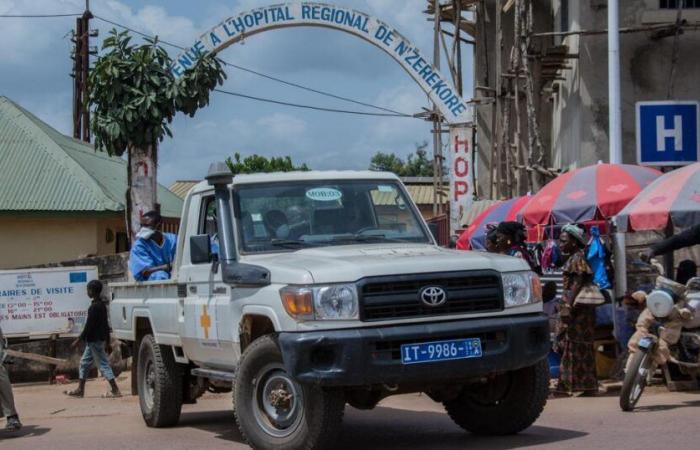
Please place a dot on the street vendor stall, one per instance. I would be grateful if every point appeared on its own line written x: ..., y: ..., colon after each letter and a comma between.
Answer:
x: 589, y: 196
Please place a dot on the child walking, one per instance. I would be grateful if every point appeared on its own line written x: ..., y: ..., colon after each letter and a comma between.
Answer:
x: 97, y: 339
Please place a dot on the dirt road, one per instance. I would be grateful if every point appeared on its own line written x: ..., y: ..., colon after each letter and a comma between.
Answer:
x: 53, y: 421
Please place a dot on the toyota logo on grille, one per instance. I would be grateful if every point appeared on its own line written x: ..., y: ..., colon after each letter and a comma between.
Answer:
x: 433, y: 295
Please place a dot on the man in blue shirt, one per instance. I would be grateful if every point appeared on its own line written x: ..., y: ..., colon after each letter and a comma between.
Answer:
x: 153, y: 253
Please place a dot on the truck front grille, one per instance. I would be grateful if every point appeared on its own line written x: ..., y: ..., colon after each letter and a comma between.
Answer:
x: 393, y: 297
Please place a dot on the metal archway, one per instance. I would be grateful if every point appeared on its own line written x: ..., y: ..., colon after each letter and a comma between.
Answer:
x: 298, y: 14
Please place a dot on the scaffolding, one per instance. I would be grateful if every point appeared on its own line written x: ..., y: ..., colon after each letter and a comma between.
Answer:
x: 452, y: 20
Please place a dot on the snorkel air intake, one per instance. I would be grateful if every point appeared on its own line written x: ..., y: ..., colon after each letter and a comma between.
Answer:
x: 232, y: 271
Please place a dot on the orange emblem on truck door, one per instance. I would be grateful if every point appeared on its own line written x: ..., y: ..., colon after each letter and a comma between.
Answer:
x: 205, y: 321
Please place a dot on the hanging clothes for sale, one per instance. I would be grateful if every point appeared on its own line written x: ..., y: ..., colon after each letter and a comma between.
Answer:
x: 596, y: 255
x: 551, y: 257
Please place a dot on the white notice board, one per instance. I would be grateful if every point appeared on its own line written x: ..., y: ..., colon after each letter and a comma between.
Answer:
x: 39, y: 302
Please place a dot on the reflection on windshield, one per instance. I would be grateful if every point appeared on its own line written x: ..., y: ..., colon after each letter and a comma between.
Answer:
x: 320, y: 213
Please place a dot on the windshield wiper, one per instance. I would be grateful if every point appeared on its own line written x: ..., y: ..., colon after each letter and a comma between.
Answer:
x: 364, y: 238
x: 288, y: 243
x: 291, y: 243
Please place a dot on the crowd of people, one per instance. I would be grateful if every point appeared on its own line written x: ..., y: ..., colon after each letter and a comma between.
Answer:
x: 586, y: 297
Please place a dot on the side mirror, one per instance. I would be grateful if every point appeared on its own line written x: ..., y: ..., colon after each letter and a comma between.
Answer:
x: 200, y: 249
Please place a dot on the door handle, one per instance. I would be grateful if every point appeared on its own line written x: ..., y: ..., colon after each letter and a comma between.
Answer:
x: 193, y: 289
x: 220, y: 290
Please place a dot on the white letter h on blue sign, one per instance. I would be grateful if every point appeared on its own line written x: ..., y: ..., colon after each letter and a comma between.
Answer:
x: 676, y: 133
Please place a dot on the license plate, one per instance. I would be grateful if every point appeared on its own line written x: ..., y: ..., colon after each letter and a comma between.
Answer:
x: 645, y: 342
x: 425, y: 352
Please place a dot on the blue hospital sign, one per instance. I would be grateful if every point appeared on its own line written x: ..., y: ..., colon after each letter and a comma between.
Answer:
x: 667, y: 133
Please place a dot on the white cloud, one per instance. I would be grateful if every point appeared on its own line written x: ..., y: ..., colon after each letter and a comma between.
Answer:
x: 282, y: 126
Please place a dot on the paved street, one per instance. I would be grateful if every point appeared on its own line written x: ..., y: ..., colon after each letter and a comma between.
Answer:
x: 53, y: 421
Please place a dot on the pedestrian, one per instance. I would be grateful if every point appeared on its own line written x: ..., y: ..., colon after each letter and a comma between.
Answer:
x: 7, y: 400
x: 96, y: 336
x: 510, y: 240
x: 577, y: 320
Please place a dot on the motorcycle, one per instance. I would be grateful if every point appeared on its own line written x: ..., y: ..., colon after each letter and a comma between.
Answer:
x: 668, y: 332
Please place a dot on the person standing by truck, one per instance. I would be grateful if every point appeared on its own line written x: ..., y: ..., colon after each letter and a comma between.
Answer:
x: 577, y: 325
x: 7, y: 400
x: 96, y: 337
x: 153, y: 252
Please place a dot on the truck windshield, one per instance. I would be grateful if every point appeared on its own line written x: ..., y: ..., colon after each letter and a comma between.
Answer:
x: 321, y: 213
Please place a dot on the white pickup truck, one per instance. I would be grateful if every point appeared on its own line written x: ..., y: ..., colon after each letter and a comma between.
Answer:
x: 304, y: 291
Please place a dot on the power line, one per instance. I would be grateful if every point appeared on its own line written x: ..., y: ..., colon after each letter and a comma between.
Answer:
x: 37, y: 16
x: 299, y: 86
x: 270, y: 77
x: 317, y: 108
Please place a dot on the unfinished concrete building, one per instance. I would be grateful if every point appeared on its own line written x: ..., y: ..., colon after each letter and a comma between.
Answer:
x: 563, y: 123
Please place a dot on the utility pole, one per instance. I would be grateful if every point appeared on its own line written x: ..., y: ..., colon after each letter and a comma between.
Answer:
x: 81, y: 68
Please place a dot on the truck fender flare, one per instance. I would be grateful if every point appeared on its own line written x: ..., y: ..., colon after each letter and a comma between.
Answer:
x: 141, y: 313
x: 260, y: 310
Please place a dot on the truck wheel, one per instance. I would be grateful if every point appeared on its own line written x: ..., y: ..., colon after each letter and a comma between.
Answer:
x: 507, y: 405
x: 635, y: 380
x: 273, y: 411
x: 159, y: 384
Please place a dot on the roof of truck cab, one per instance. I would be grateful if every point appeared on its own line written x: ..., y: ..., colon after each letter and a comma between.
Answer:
x: 312, y: 175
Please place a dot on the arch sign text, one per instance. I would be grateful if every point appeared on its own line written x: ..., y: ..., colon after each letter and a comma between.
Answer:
x: 438, y: 87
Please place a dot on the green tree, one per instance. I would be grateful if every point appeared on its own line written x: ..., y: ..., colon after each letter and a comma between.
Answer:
x: 260, y: 164
x: 417, y: 164
x: 134, y: 97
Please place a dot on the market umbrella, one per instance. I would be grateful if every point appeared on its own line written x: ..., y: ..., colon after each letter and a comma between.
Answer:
x: 590, y: 193
x: 675, y: 196
x: 474, y: 237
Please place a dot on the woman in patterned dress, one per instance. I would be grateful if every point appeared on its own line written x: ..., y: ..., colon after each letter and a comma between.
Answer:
x: 577, y: 321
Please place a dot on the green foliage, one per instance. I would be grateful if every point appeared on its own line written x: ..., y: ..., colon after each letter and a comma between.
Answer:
x: 261, y: 164
x: 135, y: 96
x: 417, y: 164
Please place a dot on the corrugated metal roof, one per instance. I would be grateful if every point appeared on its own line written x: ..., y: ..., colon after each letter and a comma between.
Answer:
x: 476, y: 208
x: 44, y: 170
x: 182, y: 187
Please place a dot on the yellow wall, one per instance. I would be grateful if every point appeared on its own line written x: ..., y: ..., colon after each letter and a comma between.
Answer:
x: 28, y: 241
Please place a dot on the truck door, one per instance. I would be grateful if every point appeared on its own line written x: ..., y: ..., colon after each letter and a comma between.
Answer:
x: 208, y: 328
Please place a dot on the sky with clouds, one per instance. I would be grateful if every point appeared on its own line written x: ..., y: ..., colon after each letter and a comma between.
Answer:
x: 35, y: 67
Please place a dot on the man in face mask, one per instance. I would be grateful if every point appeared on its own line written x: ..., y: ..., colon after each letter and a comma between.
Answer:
x: 153, y: 252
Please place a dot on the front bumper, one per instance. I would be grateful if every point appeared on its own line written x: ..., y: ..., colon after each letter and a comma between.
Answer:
x: 369, y: 356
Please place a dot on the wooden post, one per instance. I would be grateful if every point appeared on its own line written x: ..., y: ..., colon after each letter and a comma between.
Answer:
x: 52, y: 354
x: 496, y: 132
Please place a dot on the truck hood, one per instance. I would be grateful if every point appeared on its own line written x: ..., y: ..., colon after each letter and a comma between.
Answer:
x: 350, y: 263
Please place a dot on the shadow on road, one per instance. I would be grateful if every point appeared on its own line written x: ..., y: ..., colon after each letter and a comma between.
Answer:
x: 221, y: 423
x: 655, y: 408
x: 384, y: 428
x: 26, y: 431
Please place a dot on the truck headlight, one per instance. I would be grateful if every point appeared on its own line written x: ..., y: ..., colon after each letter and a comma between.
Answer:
x: 330, y: 302
x: 521, y: 288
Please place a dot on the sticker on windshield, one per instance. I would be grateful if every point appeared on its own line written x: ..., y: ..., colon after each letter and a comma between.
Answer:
x: 385, y: 188
x: 324, y: 194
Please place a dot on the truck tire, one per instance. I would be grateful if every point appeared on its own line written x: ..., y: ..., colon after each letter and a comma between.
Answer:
x: 635, y: 380
x: 274, y: 411
x: 159, y: 384
x: 507, y: 405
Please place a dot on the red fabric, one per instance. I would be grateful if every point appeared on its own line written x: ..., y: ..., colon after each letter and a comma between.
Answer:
x: 539, y: 210
x: 616, y: 187
x: 652, y: 208
x: 517, y: 208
